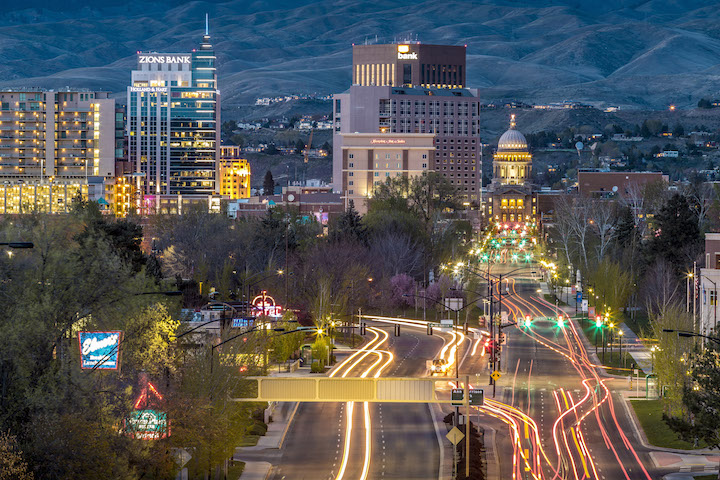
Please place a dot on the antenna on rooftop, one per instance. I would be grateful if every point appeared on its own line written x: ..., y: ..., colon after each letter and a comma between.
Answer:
x: 207, y: 26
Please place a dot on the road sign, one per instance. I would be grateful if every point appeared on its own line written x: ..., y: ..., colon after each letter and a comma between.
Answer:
x: 447, y: 322
x: 455, y: 435
x: 496, y: 375
x: 457, y: 396
x: 476, y: 396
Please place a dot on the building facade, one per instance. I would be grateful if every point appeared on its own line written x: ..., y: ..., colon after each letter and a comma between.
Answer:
x: 451, y: 116
x: 55, y: 145
x: 409, y: 64
x: 708, y: 282
x: 611, y: 184
x: 370, y: 159
x: 511, y: 194
x: 173, y: 122
x: 233, y: 173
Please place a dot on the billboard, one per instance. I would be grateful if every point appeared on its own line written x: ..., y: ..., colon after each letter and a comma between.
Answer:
x: 99, y: 350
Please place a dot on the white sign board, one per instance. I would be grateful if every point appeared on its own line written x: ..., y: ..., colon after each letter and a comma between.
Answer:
x: 585, y: 306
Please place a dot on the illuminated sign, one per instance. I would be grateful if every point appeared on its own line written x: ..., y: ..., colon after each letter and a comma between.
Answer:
x: 147, y: 425
x: 99, y: 350
x: 162, y: 58
x: 387, y: 141
x: 265, y: 305
x: 407, y: 56
x: 149, y: 89
x: 144, y: 423
x: 403, y: 48
x: 243, y: 322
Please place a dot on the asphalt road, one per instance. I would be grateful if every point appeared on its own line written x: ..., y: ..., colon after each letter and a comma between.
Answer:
x: 403, y: 440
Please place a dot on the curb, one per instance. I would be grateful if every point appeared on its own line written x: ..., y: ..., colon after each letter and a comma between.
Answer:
x: 287, y: 425
x: 443, y: 473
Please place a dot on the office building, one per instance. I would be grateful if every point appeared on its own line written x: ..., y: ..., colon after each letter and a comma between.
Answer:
x: 413, y: 88
x: 54, y: 145
x: 173, y: 125
x: 411, y: 64
x: 233, y: 173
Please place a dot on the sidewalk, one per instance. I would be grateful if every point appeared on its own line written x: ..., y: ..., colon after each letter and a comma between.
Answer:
x: 258, y: 459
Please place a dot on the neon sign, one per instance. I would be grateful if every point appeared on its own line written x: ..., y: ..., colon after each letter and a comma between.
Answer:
x: 99, y: 350
x: 144, y: 423
x: 265, y: 305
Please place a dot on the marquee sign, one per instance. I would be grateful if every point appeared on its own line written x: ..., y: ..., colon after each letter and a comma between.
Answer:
x: 99, y: 350
x: 387, y: 141
x: 163, y: 58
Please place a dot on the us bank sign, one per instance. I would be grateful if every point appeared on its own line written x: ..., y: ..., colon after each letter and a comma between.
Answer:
x: 405, y: 54
x: 162, y: 58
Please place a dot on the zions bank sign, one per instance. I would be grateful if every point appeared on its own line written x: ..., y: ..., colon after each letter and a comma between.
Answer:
x: 163, y: 58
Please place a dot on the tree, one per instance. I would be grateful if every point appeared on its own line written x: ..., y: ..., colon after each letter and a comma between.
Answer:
x: 268, y: 184
x: 227, y: 128
x: 327, y: 147
x: 12, y: 465
x: 299, y: 146
x: 678, y: 131
x: 677, y: 237
x: 701, y: 399
x: 626, y: 232
x: 349, y: 227
x: 671, y: 361
x: 704, y: 103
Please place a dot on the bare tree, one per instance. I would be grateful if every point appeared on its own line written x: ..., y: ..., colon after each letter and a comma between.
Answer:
x: 603, y: 218
x: 562, y: 225
x: 660, y: 288
x: 580, y: 225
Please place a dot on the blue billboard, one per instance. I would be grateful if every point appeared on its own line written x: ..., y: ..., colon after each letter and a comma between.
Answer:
x: 99, y: 350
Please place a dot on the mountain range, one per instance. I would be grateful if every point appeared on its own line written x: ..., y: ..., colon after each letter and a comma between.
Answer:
x: 633, y: 54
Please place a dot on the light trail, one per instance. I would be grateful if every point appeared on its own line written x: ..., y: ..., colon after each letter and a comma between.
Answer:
x: 368, y: 442
x: 348, y: 434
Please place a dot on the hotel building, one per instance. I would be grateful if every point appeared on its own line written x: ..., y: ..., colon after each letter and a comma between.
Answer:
x: 173, y: 125
x: 415, y: 99
x: 54, y: 146
x: 369, y: 159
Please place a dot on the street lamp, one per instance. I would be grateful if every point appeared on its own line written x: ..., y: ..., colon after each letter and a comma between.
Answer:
x: 620, y: 334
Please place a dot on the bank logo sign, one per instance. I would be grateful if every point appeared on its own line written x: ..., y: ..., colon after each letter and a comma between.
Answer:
x: 163, y: 58
x: 405, y: 54
x: 99, y: 350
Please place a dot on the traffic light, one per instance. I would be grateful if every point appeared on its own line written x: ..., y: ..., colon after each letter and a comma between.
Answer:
x: 528, y: 320
x: 397, y: 329
x: 598, y: 321
x: 560, y: 321
x: 362, y: 328
x: 429, y: 329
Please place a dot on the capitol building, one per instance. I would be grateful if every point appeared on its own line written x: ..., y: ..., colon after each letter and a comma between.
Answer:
x: 510, y: 196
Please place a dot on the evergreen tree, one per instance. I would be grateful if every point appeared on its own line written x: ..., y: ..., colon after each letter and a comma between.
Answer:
x: 349, y: 227
x: 268, y: 184
x: 701, y: 398
x: 626, y: 232
x: 299, y: 146
x: 677, y: 238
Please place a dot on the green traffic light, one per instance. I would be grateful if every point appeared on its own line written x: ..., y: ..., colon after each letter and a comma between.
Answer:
x: 560, y: 322
x: 598, y: 323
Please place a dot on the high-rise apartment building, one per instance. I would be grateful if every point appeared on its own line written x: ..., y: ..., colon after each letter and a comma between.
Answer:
x: 409, y: 64
x: 54, y: 145
x: 173, y: 123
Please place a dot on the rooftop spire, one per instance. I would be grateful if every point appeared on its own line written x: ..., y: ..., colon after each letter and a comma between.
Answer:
x: 512, y: 121
x: 207, y: 26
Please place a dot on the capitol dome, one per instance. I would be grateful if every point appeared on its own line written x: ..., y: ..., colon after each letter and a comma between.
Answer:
x: 512, y: 140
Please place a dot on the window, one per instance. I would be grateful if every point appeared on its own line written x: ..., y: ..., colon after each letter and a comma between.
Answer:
x: 713, y: 297
x: 424, y: 165
x: 352, y: 155
x: 351, y: 165
x: 351, y: 174
x: 350, y: 192
x: 377, y: 174
x: 424, y: 156
x: 351, y: 183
